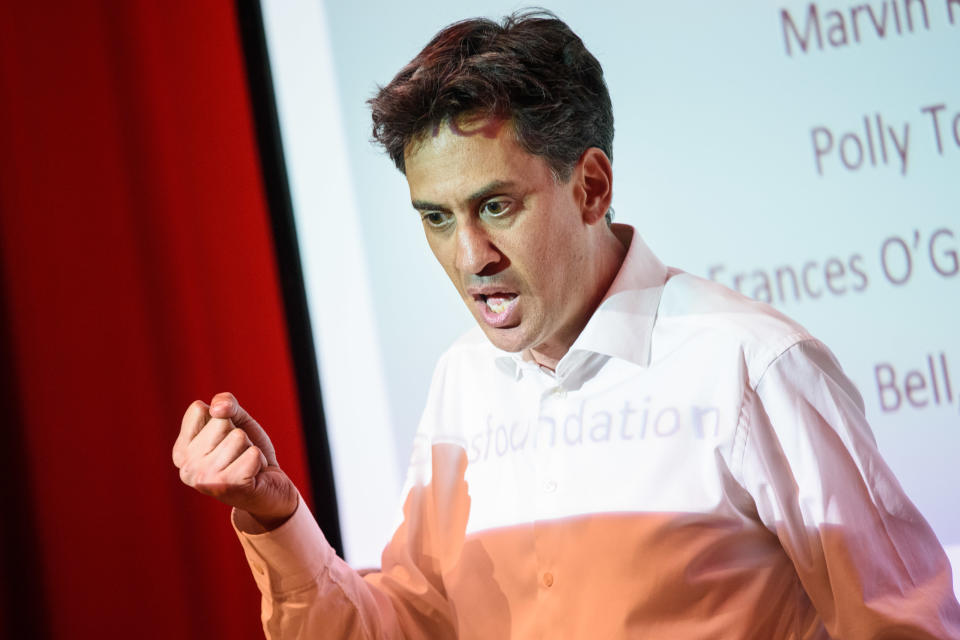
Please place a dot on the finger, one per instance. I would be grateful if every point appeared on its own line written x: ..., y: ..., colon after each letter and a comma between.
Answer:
x: 244, y: 468
x: 194, y: 419
x: 235, y: 484
x: 225, y: 405
x: 209, y: 438
x: 228, y: 450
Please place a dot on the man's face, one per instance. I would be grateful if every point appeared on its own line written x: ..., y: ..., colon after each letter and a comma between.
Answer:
x: 509, y: 235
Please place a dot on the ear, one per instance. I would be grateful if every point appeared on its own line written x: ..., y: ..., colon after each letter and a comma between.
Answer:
x: 593, y: 178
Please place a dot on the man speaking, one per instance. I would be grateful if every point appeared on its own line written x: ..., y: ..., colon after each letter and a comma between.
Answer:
x: 622, y: 450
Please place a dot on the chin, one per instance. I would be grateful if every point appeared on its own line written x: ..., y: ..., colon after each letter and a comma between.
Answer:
x: 510, y: 339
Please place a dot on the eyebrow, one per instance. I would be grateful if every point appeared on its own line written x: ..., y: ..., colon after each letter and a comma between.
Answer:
x: 479, y: 194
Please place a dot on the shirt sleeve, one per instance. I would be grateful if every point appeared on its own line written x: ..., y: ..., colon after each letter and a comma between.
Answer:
x: 310, y: 592
x: 307, y: 591
x: 867, y: 559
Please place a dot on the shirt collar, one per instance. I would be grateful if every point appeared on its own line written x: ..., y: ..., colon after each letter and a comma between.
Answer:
x: 622, y: 325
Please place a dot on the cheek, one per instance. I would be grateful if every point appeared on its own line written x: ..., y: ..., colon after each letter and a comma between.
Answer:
x: 546, y: 273
x: 563, y: 282
x: 553, y: 254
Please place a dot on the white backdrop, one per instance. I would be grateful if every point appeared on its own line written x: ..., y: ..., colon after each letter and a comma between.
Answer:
x: 807, y: 154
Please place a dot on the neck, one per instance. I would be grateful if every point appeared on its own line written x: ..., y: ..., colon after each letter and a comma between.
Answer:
x: 612, y: 249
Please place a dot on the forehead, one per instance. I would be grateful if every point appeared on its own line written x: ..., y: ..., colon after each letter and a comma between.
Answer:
x: 462, y: 155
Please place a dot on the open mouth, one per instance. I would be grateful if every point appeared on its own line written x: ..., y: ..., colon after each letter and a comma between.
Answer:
x: 498, y: 302
x: 498, y: 309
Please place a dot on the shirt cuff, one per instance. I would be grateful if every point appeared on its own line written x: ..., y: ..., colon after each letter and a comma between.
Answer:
x: 288, y: 557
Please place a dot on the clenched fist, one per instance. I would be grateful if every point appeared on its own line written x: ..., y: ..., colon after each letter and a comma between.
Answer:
x: 222, y: 452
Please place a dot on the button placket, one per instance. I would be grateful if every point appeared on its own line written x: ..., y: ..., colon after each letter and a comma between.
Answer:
x: 553, y: 450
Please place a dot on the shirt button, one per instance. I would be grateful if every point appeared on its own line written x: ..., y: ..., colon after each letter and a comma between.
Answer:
x: 548, y: 579
x: 550, y: 486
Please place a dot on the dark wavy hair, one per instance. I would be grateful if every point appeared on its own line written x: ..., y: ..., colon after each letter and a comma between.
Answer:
x: 531, y: 68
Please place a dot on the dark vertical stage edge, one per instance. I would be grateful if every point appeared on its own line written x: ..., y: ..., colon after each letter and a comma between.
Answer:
x: 277, y: 189
x: 23, y: 596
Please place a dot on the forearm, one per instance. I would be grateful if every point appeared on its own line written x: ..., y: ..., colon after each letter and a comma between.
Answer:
x: 307, y: 590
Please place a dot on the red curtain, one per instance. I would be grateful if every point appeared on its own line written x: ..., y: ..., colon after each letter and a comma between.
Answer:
x: 138, y: 274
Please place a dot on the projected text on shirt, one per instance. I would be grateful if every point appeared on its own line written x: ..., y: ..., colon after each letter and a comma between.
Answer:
x: 592, y: 426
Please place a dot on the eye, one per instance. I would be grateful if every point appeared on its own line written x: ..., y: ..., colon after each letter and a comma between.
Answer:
x: 495, y: 208
x: 436, y: 219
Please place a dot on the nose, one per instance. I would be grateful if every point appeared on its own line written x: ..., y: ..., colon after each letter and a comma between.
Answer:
x: 475, y: 250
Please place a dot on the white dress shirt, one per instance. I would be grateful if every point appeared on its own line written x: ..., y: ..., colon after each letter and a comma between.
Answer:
x: 698, y: 466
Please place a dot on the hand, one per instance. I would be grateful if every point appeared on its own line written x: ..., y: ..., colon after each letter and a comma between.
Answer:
x: 222, y: 452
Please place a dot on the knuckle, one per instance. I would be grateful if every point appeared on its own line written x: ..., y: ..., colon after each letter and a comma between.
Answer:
x: 237, y: 436
x: 251, y: 458
x: 193, y: 417
x: 208, y: 481
x: 195, y: 410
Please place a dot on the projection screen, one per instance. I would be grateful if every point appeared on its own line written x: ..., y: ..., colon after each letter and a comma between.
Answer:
x: 805, y: 154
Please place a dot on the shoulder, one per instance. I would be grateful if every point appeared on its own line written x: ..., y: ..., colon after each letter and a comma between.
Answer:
x: 720, y: 318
